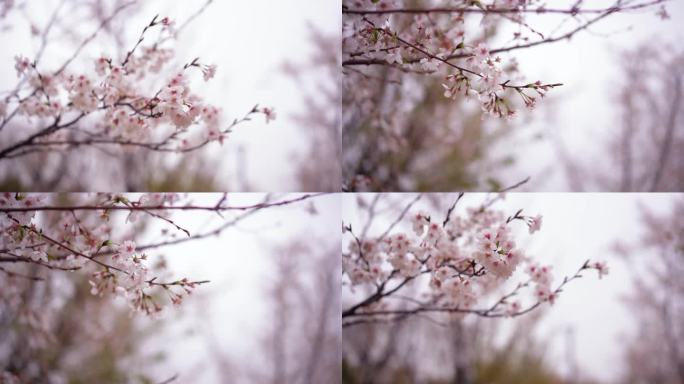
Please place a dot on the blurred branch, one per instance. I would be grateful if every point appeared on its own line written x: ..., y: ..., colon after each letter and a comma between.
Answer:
x: 401, y: 216
x: 170, y: 379
x: 670, y: 128
x: 90, y: 38
x: 515, y: 186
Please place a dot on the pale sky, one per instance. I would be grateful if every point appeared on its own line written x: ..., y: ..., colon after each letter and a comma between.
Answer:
x: 581, y: 112
x: 254, y: 39
x: 576, y: 227
x: 233, y: 309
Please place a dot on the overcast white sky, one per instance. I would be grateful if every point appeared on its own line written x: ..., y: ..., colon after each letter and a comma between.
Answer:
x: 233, y: 310
x: 576, y: 227
x: 250, y: 40
x: 582, y: 112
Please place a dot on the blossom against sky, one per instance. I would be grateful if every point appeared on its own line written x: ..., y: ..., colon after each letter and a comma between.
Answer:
x: 575, y: 228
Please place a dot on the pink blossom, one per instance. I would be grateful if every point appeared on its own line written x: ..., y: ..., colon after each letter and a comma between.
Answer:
x: 601, y: 267
x: 21, y: 64
x: 269, y: 113
x: 102, y: 65
x: 481, y: 52
x: 126, y: 249
x: 394, y: 56
x: 513, y: 308
x: 168, y: 23
x: 208, y: 71
x: 429, y: 65
x: 418, y: 222
x: 540, y: 274
x: 535, y: 223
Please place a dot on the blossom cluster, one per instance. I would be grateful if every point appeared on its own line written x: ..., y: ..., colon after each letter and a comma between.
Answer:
x: 121, y: 93
x: 88, y: 242
x: 439, y: 43
x: 466, y: 258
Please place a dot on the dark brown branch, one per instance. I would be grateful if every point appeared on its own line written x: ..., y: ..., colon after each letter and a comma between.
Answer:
x: 13, y: 258
x: 487, y: 313
x: 564, y: 36
x: 516, y: 185
x: 451, y: 209
x: 161, y: 207
x: 30, y: 141
x: 446, y: 61
x: 21, y: 275
x: 31, y: 145
x: 494, y: 10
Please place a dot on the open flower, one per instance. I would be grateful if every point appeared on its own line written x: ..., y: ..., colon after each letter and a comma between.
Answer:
x: 601, y: 267
x: 535, y: 223
x: 21, y: 64
x: 126, y: 249
x: 269, y: 113
x: 208, y: 71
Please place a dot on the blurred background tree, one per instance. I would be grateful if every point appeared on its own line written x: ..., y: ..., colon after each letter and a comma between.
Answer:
x: 654, y: 351
x: 448, y: 351
x: 644, y: 152
x: 319, y: 168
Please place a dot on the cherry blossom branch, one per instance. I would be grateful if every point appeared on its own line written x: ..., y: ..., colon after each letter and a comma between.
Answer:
x: 215, y: 232
x: 142, y: 300
x: 92, y: 36
x: 136, y: 207
x: 493, y: 9
x: 12, y: 274
x: 111, y: 95
x: 32, y: 145
x: 150, y: 210
x: 401, y: 216
x: 41, y: 50
x: 516, y: 185
x: 491, y: 312
x: 379, y: 294
x: 140, y: 40
x: 12, y: 258
x: 566, y: 36
x: 69, y: 241
x: 465, y: 258
x: 451, y: 209
x: 461, y: 69
x: 67, y: 248
x: 30, y: 141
